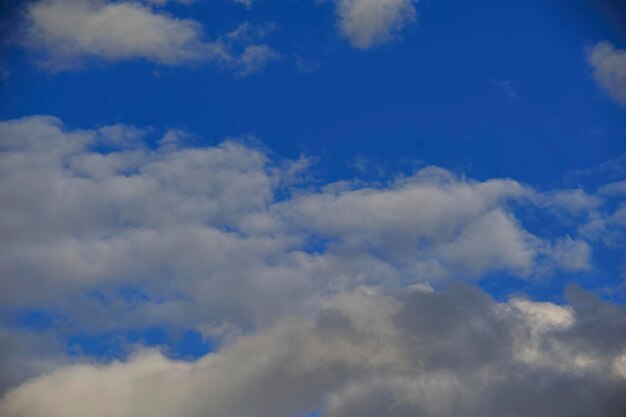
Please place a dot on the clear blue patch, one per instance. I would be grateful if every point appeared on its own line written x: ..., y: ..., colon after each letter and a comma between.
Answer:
x: 175, y: 344
x: 30, y: 319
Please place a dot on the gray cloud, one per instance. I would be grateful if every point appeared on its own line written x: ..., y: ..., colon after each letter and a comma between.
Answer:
x: 25, y: 354
x: 369, y: 353
x: 217, y: 239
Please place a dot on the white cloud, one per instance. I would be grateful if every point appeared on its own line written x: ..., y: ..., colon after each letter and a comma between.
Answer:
x: 609, y: 69
x: 367, y: 23
x: 70, y: 32
x: 304, y: 290
x: 434, y: 354
x: 429, y: 226
x: 170, y: 221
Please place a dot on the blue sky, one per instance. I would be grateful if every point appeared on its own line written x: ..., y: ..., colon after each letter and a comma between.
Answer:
x: 190, y: 185
x: 490, y: 90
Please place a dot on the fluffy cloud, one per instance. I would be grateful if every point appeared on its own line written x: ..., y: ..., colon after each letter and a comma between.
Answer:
x: 69, y: 32
x: 367, y: 23
x: 168, y: 223
x: 371, y: 353
x: 110, y: 234
x: 609, y: 69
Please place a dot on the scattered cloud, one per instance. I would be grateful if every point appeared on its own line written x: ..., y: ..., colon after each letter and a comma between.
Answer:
x: 70, y: 32
x: 609, y: 69
x: 136, y: 217
x: 315, y: 279
x: 615, y: 188
x: 255, y: 58
x: 368, y: 23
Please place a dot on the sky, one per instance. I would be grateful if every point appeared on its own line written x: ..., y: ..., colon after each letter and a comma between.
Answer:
x: 312, y: 208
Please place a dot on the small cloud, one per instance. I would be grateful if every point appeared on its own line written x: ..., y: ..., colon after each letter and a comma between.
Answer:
x: 368, y: 23
x: 255, y: 58
x: 609, y: 69
x: 69, y: 33
x: 614, y: 188
x: 571, y: 255
x: 504, y: 89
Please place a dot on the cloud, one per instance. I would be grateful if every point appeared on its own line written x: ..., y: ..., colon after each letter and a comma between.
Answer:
x: 255, y: 58
x: 68, y: 29
x: 371, y: 353
x: 328, y: 296
x: 25, y: 354
x: 609, y: 69
x: 571, y: 202
x: 96, y: 212
x: 432, y: 225
x: 70, y: 32
x: 615, y: 188
x: 367, y: 23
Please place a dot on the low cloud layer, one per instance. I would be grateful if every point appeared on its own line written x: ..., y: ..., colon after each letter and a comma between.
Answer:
x: 367, y: 23
x: 338, y: 297
x: 69, y: 32
x: 609, y: 69
x: 414, y: 352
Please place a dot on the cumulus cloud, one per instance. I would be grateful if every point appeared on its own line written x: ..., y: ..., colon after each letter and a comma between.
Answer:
x: 99, y: 227
x: 609, y: 69
x: 168, y: 222
x: 367, y: 23
x: 69, y: 32
x: 455, y: 352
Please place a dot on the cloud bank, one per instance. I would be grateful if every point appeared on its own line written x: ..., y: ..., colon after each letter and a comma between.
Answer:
x: 340, y: 298
x: 453, y: 353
